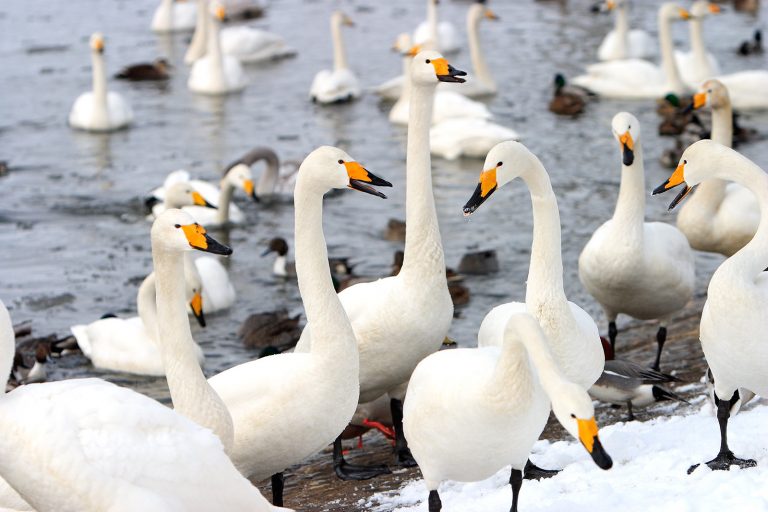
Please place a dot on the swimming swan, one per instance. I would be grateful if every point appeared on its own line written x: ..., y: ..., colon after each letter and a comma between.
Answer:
x: 696, y: 65
x: 623, y: 42
x: 216, y: 73
x: 341, y: 84
x: 436, y: 35
x: 174, y: 16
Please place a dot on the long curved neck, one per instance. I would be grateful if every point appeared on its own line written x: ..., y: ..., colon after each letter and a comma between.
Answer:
x: 191, y: 394
x: 423, y: 246
x: 199, y: 39
x: 214, y: 47
x: 621, y: 30
x: 405, y: 94
x: 545, y: 275
x: 7, y: 346
x: 671, y: 73
x: 99, y: 82
x: 722, y: 124
x: 696, y: 34
x: 332, y: 337
x: 629, y: 214
x: 147, y: 306
x: 480, y: 67
x: 225, y: 198
x: 432, y: 21
x: 268, y: 178
x: 339, y: 51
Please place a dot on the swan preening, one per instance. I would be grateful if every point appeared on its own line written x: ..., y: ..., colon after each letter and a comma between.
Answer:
x: 100, y: 110
x: 340, y: 84
x: 623, y: 42
x: 215, y: 72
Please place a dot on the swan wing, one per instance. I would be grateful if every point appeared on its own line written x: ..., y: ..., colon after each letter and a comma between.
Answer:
x: 449, y: 104
x: 747, y: 89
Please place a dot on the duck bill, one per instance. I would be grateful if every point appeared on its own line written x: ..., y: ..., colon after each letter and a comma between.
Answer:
x: 199, y: 200
x: 250, y: 189
x: 486, y: 186
x: 202, y: 241
x: 588, y: 437
x: 196, y: 304
x: 363, y: 180
x: 627, y: 149
x: 447, y: 73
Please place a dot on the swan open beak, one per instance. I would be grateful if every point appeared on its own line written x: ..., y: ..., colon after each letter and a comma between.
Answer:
x: 486, y: 186
x: 588, y: 437
x: 627, y: 148
x: 199, y: 239
x: 361, y: 179
x: 199, y: 200
x: 447, y: 73
x: 676, y: 179
x: 197, y: 308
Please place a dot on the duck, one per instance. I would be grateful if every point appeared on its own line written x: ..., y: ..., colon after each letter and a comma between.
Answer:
x: 436, y: 35
x: 395, y: 230
x: 641, y: 269
x: 341, y: 84
x: 22, y: 374
x: 473, y: 411
x: 52, y: 425
x: 100, y: 110
x: 638, y: 78
x: 622, y: 42
x: 566, y: 101
x: 697, y: 65
x: 573, y: 335
x: 479, y: 262
x: 156, y: 71
x: 737, y: 294
x: 719, y: 217
x: 275, y: 329
x: 174, y: 16
x: 753, y: 46
x: 418, y: 296
x: 467, y: 137
x: 216, y: 73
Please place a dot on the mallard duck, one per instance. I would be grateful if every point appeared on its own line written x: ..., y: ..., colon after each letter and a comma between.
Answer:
x: 567, y: 101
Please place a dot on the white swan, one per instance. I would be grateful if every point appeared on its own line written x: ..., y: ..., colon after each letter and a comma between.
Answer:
x: 86, y: 444
x: 216, y: 73
x: 480, y: 82
x: 472, y: 411
x: 468, y: 137
x: 719, y: 217
x: 637, y: 78
x: 174, y: 16
x: 199, y: 43
x: 253, y: 45
x: 100, y: 110
x: 436, y: 35
x: 418, y: 296
x: 696, y: 65
x: 340, y: 84
x: 572, y: 334
x: 632, y: 267
x: 623, y: 42
x: 737, y: 296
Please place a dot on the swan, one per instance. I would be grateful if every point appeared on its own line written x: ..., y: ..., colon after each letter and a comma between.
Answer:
x: 621, y: 42
x: 447, y: 104
x: 341, y: 84
x: 250, y: 45
x: 436, y: 35
x: 637, y: 78
x: 472, y: 411
x: 469, y: 137
x: 719, y: 217
x: 216, y: 73
x: 174, y: 16
x: 418, y: 296
x: 277, y: 180
x: 87, y: 444
x: 697, y: 65
x: 199, y: 43
x: 737, y: 296
x: 632, y: 267
x: 100, y: 110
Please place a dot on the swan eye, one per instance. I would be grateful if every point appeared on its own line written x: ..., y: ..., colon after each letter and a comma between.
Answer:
x: 573, y: 416
x: 341, y: 161
x: 177, y: 226
x: 499, y: 164
x: 428, y: 61
x: 629, y: 127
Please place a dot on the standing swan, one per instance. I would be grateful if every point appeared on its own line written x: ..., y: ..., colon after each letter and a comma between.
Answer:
x: 472, y: 411
x: 418, y: 296
x: 341, y: 84
x: 733, y: 320
x: 621, y: 42
x: 719, y: 217
x: 216, y: 73
x: 641, y: 269
x: 99, y: 110
x: 174, y: 16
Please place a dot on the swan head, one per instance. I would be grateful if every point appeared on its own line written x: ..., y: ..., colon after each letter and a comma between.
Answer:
x: 240, y: 176
x: 479, y: 10
x: 429, y: 67
x: 713, y: 94
x: 626, y: 130
x: 194, y: 290
x: 672, y: 11
x: 176, y: 231
x: 97, y: 42
x: 327, y: 167
x: 702, y: 8
x: 183, y: 194
x: 341, y: 19
x: 218, y: 11
x: 505, y: 162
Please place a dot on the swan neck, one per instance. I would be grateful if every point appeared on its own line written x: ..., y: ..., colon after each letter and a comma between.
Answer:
x: 722, y: 124
x: 99, y: 82
x: 197, y: 47
x: 268, y: 179
x: 432, y: 21
x: 225, y: 198
x: 629, y: 214
x: 479, y: 65
x: 621, y: 28
x: 339, y: 50
x: 696, y: 34
x: 214, y: 47
x: 671, y: 73
x: 147, y: 307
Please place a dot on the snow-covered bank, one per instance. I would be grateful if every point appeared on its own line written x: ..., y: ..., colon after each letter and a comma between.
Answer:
x: 649, y: 472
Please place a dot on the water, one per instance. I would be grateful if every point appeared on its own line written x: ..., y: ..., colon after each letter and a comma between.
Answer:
x: 74, y: 239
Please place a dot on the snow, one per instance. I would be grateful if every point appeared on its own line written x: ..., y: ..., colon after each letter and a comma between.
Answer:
x: 650, y: 460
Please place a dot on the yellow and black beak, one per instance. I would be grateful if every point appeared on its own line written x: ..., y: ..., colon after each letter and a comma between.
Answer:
x: 486, y: 186
x: 714, y: 8
x: 250, y: 189
x: 196, y: 304
x: 200, y: 240
x: 98, y: 45
x: 447, y: 73
x: 588, y: 437
x: 490, y: 15
x: 347, y: 21
x: 199, y: 200
x: 627, y: 148
x: 675, y: 180
x: 221, y: 13
x: 361, y: 179
x: 685, y: 15
x: 699, y: 100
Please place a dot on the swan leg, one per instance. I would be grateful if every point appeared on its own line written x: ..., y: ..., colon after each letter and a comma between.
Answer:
x: 516, y: 481
x: 534, y: 472
x: 725, y: 458
x: 661, y: 337
x: 347, y: 471
x: 278, y: 482
x: 435, y: 505
x: 402, y: 453
x: 612, y: 332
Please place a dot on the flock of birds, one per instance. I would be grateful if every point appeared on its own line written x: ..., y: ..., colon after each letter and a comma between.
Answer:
x: 370, y: 355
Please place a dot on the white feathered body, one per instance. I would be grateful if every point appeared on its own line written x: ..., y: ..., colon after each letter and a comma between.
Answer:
x: 471, y: 137
x: 334, y: 86
x: 218, y: 291
x: 205, y: 77
x: 253, y: 45
x: 87, y: 115
x: 448, y: 105
x: 640, y: 45
x: 174, y: 16
x: 446, y: 34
